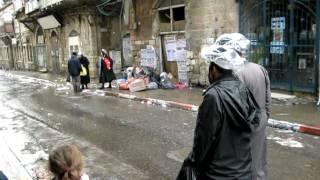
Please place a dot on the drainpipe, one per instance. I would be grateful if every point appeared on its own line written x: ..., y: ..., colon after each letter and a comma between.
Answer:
x: 317, y: 48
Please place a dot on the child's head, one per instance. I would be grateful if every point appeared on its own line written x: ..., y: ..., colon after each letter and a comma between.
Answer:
x: 65, y: 162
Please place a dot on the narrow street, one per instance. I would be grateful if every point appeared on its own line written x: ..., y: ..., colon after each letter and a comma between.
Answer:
x: 123, y: 139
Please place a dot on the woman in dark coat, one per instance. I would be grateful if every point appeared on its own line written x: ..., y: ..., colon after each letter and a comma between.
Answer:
x: 85, y: 80
x: 106, y: 74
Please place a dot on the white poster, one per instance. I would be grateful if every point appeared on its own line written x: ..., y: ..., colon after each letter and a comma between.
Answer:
x: 181, y: 52
x: 182, y: 71
x: 170, y: 45
x: 277, y: 45
x: 148, y: 58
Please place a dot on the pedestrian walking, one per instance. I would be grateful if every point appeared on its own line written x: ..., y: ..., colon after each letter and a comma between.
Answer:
x: 74, y: 68
x: 257, y: 80
x: 85, y: 78
x: 106, y: 69
x: 66, y: 163
x: 226, y: 118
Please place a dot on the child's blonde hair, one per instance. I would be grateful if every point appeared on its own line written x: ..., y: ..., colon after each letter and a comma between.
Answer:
x: 65, y: 162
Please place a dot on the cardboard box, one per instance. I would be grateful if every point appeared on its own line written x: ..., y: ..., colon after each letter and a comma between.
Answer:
x: 137, y: 85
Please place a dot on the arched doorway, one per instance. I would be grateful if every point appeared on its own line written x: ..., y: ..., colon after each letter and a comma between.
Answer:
x: 41, y: 50
x: 55, y: 52
x: 74, y: 42
x: 283, y: 38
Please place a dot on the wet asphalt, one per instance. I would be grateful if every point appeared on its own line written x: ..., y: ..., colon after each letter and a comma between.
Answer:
x: 149, y: 140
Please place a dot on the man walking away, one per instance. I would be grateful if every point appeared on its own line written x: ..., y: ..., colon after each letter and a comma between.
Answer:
x: 74, y: 68
x: 257, y: 80
x: 226, y: 118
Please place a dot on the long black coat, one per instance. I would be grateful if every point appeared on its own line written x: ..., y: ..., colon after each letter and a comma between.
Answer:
x: 106, y: 75
x: 227, y: 117
x: 85, y: 62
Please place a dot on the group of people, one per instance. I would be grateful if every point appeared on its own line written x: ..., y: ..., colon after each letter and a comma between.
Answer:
x: 78, y: 68
x: 229, y: 138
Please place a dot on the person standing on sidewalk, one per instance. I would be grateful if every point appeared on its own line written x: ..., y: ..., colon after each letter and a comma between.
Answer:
x: 106, y: 70
x: 257, y: 80
x: 226, y: 118
x: 74, y: 68
x: 85, y: 80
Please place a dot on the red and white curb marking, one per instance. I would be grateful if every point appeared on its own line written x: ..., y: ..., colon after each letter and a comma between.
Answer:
x: 295, y: 127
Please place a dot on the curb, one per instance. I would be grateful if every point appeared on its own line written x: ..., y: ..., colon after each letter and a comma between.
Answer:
x: 301, y: 128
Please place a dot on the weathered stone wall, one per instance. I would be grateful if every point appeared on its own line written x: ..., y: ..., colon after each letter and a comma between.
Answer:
x: 83, y: 21
x: 205, y: 21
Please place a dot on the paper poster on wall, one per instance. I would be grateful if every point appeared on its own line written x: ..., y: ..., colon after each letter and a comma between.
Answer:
x: 182, y: 71
x: 148, y: 58
x: 181, y: 52
x: 277, y: 45
x: 278, y: 23
x: 171, y: 46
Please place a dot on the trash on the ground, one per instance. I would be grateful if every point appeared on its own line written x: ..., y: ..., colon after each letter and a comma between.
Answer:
x: 181, y: 86
x: 152, y: 85
x: 137, y: 85
x: 165, y: 81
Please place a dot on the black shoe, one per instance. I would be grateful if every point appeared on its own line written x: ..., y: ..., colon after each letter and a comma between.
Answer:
x: 101, y: 88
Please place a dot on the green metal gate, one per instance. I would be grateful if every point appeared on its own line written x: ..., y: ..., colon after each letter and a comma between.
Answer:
x: 284, y: 37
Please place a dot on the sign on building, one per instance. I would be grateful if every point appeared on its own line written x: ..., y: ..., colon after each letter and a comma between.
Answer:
x: 277, y: 45
x: 148, y: 57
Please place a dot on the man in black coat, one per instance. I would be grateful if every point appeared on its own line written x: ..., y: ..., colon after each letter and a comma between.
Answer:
x: 74, y: 69
x: 226, y: 118
x: 257, y: 80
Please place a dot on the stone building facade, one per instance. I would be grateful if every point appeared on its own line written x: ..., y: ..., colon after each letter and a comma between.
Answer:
x: 198, y: 22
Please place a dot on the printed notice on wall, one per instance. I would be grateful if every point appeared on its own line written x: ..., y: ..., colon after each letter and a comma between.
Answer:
x: 277, y: 45
x: 148, y: 58
x: 181, y: 52
x: 171, y: 46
